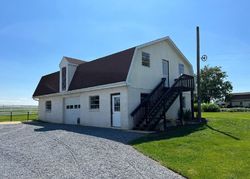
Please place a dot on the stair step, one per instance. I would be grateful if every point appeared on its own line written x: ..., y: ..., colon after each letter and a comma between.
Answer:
x: 161, y: 103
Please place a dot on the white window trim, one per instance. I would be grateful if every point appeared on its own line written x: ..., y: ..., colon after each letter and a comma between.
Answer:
x: 148, y: 54
x: 46, y: 109
x: 94, y: 109
x: 179, y: 66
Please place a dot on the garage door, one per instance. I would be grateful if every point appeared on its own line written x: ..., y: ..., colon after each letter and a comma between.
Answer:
x: 72, y: 110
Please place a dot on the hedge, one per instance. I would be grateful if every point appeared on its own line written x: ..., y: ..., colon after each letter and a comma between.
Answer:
x: 207, y: 107
x: 235, y: 109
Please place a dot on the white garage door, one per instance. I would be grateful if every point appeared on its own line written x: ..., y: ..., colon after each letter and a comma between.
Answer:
x: 72, y: 110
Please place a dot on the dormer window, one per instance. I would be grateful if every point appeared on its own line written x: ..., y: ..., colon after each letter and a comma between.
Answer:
x: 63, y: 78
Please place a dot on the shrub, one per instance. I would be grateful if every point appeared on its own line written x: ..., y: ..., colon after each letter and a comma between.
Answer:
x: 210, y: 107
x: 235, y: 110
x: 207, y: 107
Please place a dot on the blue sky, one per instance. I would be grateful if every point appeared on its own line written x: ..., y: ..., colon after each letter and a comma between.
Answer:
x: 34, y: 35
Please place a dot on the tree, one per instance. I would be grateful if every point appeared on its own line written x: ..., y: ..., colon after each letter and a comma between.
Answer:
x: 214, y: 85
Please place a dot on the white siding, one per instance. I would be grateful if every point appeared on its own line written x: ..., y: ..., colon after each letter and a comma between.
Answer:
x: 144, y: 79
x: 148, y: 77
x: 100, y: 117
x: 141, y: 79
x: 63, y: 63
x: 134, y: 99
x: 56, y: 113
x: 244, y: 103
x: 70, y: 71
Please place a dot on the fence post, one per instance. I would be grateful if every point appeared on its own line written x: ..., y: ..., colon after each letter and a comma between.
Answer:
x: 10, y: 115
x: 28, y: 115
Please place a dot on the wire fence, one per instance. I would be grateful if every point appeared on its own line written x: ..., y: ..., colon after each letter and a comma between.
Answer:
x: 20, y: 115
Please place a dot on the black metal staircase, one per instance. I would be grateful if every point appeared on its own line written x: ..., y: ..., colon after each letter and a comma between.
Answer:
x: 153, y: 109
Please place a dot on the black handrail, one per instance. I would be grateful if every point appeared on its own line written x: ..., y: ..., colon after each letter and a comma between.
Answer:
x: 148, y: 97
x: 146, y: 114
x: 176, y: 84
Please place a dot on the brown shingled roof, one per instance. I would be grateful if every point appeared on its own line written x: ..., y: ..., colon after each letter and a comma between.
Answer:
x: 48, y: 84
x: 74, y: 60
x: 241, y: 96
x: 110, y: 69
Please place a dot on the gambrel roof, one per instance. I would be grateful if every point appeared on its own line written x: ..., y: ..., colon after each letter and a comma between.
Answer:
x: 74, y: 60
x: 106, y: 70
x: 110, y: 69
x: 48, y: 84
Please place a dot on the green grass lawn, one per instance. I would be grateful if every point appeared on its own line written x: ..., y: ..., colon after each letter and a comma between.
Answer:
x: 19, y: 113
x: 218, y: 149
x: 18, y: 117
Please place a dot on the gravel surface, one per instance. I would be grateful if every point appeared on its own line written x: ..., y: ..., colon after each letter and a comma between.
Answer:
x: 42, y: 150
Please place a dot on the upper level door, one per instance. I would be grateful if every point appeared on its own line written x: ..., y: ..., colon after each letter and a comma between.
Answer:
x: 165, y: 71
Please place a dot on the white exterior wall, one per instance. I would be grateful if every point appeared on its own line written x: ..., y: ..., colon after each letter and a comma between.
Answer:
x: 71, y: 68
x: 56, y: 113
x: 244, y: 103
x: 63, y: 63
x: 143, y: 79
x: 100, y: 117
x: 134, y: 99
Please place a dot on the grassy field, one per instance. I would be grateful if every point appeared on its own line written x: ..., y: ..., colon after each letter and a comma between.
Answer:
x: 18, y: 117
x: 218, y: 149
x: 19, y: 113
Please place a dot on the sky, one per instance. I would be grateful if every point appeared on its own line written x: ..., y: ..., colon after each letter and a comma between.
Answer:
x: 35, y: 35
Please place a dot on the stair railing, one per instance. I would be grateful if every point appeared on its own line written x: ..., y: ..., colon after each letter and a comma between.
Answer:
x: 183, y: 83
x: 142, y: 109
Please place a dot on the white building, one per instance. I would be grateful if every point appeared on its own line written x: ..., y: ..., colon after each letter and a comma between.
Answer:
x: 240, y: 99
x: 124, y: 90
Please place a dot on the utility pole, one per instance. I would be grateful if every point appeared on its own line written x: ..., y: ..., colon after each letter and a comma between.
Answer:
x: 198, y: 73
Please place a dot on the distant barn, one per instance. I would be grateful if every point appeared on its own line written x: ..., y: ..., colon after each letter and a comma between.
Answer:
x: 240, y: 99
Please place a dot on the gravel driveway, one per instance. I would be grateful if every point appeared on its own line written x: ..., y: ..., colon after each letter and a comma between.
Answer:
x: 42, y: 150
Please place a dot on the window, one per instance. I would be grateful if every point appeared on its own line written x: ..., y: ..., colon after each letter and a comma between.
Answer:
x: 64, y: 78
x: 117, y: 105
x: 76, y: 106
x: 143, y: 96
x: 94, y: 102
x: 48, y: 106
x: 145, y: 59
x: 181, y: 69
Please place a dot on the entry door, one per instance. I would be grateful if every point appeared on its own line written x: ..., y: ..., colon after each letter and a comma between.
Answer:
x: 165, y: 71
x: 116, y: 111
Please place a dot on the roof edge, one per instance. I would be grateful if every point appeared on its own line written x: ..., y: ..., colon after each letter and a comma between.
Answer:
x: 167, y: 38
x: 93, y: 88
